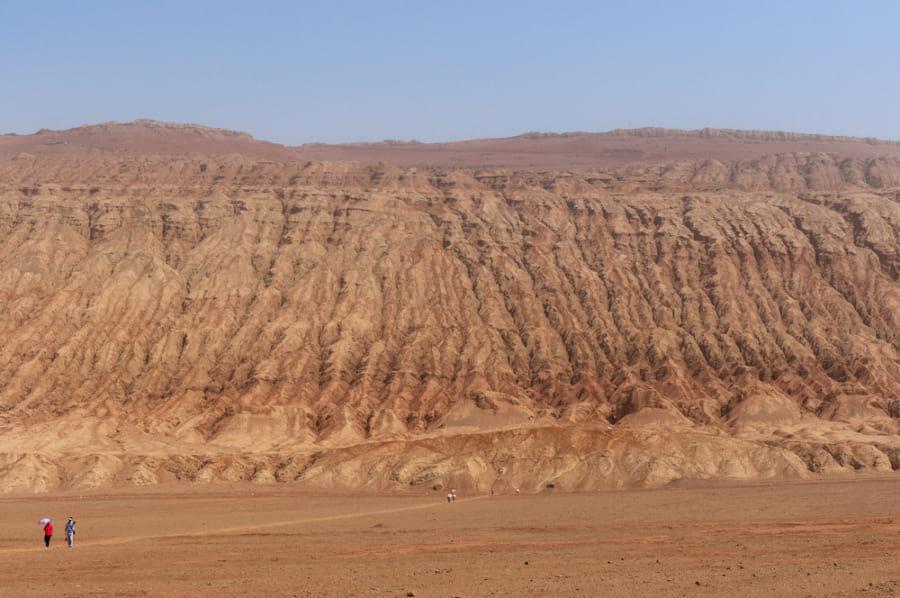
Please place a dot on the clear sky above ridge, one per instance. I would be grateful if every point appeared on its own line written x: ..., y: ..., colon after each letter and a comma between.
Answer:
x: 298, y: 72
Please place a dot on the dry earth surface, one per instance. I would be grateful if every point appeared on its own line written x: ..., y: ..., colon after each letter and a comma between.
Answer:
x: 186, y: 304
x: 823, y: 538
x: 588, y: 151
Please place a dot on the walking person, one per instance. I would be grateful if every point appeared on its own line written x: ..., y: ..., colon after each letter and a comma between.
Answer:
x: 70, y: 532
x: 48, y: 533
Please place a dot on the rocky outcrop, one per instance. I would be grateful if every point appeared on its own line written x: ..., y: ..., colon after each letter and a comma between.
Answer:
x: 212, y: 318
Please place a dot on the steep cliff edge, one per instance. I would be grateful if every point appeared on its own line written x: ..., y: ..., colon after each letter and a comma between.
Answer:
x: 219, y: 317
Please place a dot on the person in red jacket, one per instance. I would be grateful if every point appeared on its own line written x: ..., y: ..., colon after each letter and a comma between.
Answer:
x: 48, y: 533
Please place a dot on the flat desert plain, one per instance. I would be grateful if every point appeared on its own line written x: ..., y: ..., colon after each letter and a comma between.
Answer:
x: 800, y: 538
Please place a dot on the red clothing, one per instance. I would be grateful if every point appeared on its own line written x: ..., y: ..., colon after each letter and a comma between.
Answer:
x: 48, y: 530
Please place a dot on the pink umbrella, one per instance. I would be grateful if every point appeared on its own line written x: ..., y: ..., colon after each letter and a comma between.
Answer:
x: 44, y: 521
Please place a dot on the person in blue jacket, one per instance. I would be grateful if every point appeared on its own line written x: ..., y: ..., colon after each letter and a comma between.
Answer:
x: 70, y: 532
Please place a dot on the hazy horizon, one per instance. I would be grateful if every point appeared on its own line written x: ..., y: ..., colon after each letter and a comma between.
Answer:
x: 296, y: 73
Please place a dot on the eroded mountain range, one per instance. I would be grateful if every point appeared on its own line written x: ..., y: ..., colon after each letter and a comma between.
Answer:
x: 180, y: 303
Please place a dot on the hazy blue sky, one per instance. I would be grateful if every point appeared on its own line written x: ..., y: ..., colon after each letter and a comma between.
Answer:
x: 296, y: 72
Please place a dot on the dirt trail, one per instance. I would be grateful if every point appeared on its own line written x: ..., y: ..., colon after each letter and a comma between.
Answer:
x: 821, y: 538
x: 245, y: 528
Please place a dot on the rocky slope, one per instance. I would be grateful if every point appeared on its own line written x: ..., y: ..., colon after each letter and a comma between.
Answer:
x: 226, y: 316
x: 614, y: 149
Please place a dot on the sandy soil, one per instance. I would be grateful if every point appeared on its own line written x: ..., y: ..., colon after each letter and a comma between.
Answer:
x: 810, y: 538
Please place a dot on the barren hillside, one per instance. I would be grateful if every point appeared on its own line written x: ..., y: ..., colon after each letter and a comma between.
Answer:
x: 615, y: 149
x: 226, y: 310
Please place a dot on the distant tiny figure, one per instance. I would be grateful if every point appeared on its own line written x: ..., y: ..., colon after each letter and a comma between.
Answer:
x: 70, y: 532
x: 517, y: 490
x: 48, y: 533
x: 449, y: 497
x: 492, y: 491
x: 454, y: 497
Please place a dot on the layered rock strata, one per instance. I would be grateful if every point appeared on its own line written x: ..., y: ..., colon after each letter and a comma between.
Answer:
x: 204, y: 318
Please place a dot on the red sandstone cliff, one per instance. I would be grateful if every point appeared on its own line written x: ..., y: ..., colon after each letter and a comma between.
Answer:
x: 229, y: 315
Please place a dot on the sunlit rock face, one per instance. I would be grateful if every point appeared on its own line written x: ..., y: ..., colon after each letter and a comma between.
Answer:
x: 233, y: 312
